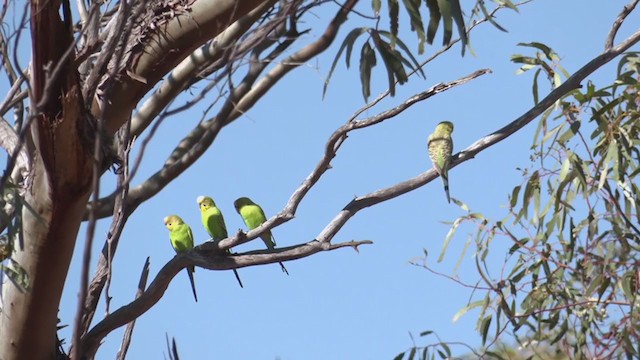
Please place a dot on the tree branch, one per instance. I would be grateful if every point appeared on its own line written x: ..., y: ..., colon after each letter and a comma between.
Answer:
x: 572, y: 83
x: 163, y: 43
x: 208, y: 255
x: 322, y: 243
x: 121, y: 214
x: 293, y: 61
x: 333, y: 145
x: 626, y: 10
x: 212, y: 261
x: 183, y: 74
x: 126, y: 339
x: 200, y: 138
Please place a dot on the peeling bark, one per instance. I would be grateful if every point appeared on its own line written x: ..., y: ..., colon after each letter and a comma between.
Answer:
x: 58, y: 193
x: 164, y: 50
x: 61, y: 132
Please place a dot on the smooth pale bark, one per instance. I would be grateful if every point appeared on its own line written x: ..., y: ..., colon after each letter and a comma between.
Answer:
x: 56, y: 197
x: 179, y: 37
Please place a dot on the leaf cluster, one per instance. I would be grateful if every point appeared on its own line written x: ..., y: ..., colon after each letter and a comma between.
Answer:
x: 570, y: 276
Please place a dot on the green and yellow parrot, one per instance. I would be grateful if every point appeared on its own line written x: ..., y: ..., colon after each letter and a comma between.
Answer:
x: 440, y: 147
x: 213, y: 222
x: 253, y: 217
x: 182, y: 240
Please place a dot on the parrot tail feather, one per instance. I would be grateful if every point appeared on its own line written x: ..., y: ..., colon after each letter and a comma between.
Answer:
x: 190, y: 272
x: 235, y: 272
x: 445, y: 181
x: 284, y: 269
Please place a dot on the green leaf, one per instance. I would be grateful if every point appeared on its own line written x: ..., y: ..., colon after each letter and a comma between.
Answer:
x: 490, y: 18
x: 564, y: 170
x: 534, y: 87
x: 447, y: 239
x: 446, y: 349
x: 520, y: 243
x: 563, y: 330
x: 412, y: 354
x: 462, y: 254
x: 593, y: 284
x: 391, y: 61
x: 540, y: 46
x: 612, y: 151
x: 494, y: 355
x: 434, y: 19
x: 376, y: 5
x: 447, y: 20
x: 509, y: 4
x: 367, y: 62
x: 628, y: 285
x: 514, y: 196
x: 394, y: 10
x: 416, y: 65
x: 413, y: 10
x: 551, y: 133
x: 531, y: 190
x: 456, y: 12
x: 603, y: 287
x: 350, y: 41
x: 465, y: 309
x: 347, y: 43
x: 399, y: 356
x: 570, y: 133
x: 484, y: 328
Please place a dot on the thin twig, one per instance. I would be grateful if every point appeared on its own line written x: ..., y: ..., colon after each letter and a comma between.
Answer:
x: 126, y: 339
x: 200, y: 138
x: 626, y: 10
x: 91, y: 341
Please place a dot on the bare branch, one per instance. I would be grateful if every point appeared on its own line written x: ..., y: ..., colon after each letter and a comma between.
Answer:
x: 126, y: 339
x: 10, y: 142
x: 13, y: 97
x: 211, y: 261
x: 183, y: 74
x: 292, y: 62
x: 333, y: 144
x: 572, y: 83
x: 200, y: 138
x: 82, y: 11
x: 215, y: 261
x: 626, y: 10
x: 126, y: 15
x: 103, y: 272
x: 401, y: 188
x: 169, y: 39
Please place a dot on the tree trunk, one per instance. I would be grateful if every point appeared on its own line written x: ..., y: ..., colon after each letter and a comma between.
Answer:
x: 57, y: 195
x: 62, y: 156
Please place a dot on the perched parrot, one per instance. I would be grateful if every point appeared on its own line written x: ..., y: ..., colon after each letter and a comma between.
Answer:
x: 253, y: 217
x: 213, y: 222
x: 182, y: 240
x: 440, y: 147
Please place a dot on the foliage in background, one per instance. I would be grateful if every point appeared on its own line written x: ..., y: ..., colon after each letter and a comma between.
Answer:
x: 569, y: 284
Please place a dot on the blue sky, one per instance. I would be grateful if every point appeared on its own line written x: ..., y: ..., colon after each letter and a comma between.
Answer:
x: 341, y: 304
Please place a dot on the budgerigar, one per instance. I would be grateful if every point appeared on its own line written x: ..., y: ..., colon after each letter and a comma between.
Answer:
x: 440, y: 147
x: 253, y: 217
x: 182, y: 240
x: 213, y: 222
